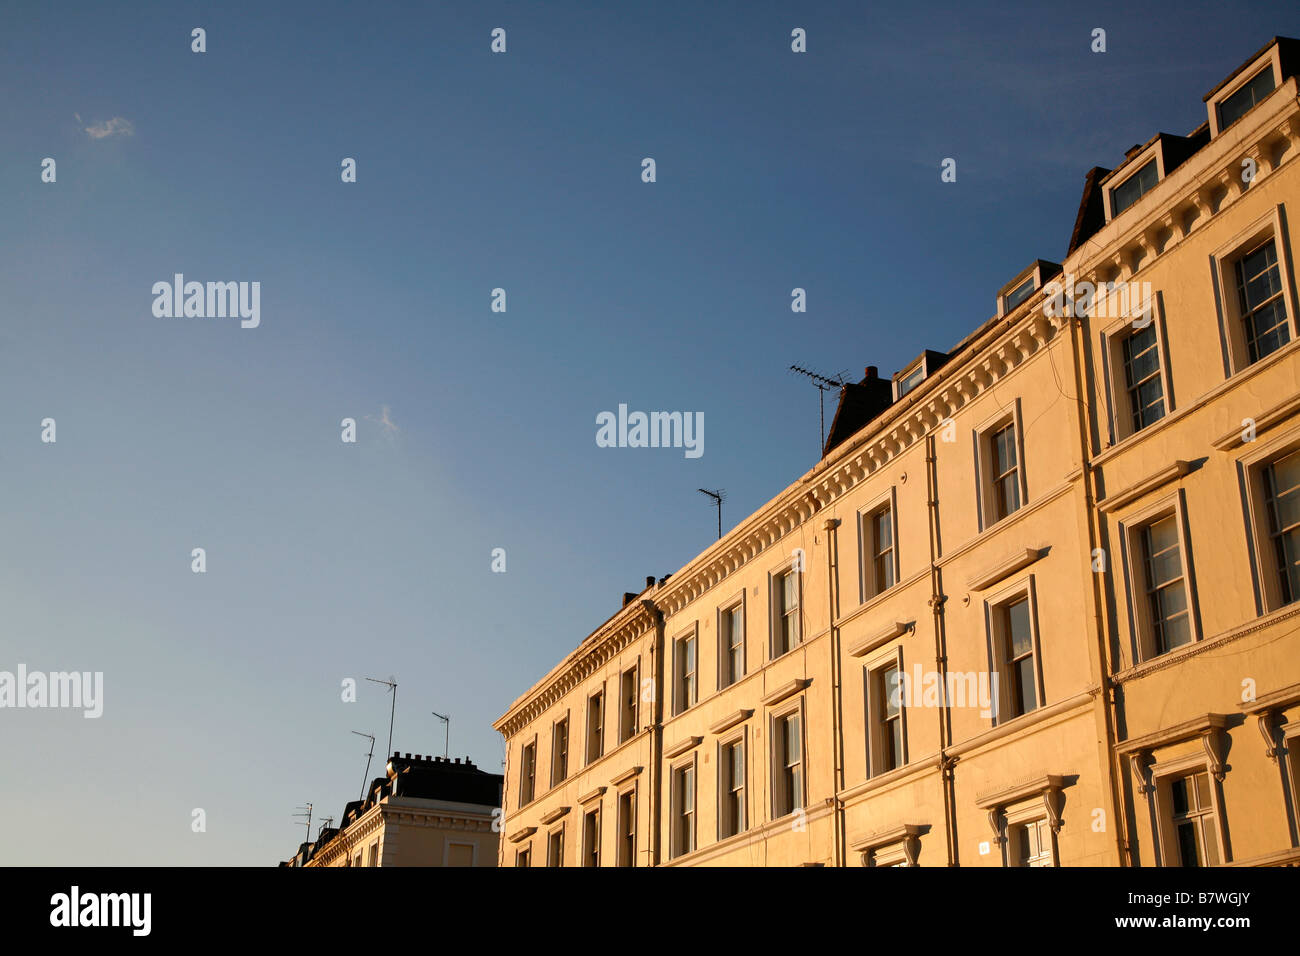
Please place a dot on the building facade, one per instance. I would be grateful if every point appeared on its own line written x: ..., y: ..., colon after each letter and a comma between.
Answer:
x: 1037, y: 604
x: 425, y: 811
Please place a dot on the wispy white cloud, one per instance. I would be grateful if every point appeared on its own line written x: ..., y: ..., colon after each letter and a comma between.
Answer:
x: 385, y: 421
x: 117, y: 126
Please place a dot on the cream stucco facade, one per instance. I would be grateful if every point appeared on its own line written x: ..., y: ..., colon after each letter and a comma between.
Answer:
x: 1073, y: 535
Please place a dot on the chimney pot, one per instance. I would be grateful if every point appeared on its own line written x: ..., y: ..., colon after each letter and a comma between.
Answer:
x: 649, y: 580
x: 872, y: 372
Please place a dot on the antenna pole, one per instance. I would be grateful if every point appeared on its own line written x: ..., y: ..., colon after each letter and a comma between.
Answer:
x: 717, y: 497
x: 447, y: 735
x: 306, y: 811
x: 392, y: 685
x: 366, y: 779
x: 823, y: 385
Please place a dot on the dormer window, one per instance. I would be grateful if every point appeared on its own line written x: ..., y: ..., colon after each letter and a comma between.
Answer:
x: 917, y: 371
x: 1241, y: 102
x: 1133, y: 188
x: 910, y: 379
x: 1020, y: 293
x: 1022, y: 288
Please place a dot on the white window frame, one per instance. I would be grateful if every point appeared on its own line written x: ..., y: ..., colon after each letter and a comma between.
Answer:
x: 739, y: 739
x: 551, y: 835
x: 1018, y: 815
x: 777, y: 771
x: 1223, y: 267
x: 736, y: 603
x: 587, y: 728
x: 592, y: 809
x: 775, y: 614
x: 1162, y: 777
x: 871, y: 692
x: 620, y: 860
x: 994, y: 606
x: 1264, y: 571
x: 523, y: 752
x: 867, y: 589
x: 983, y: 435
x: 568, y: 747
x: 1270, y: 61
x: 1113, y: 337
x: 675, y: 844
x: 680, y: 703
x: 1133, y: 554
x: 1137, y: 164
x: 635, y: 671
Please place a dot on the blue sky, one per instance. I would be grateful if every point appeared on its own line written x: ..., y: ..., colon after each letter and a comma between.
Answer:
x: 475, y: 171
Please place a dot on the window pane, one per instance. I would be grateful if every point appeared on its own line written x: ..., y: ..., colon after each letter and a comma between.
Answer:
x: 1237, y: 105
x: 1187, y: 851
x: 1132, y: 189
x: 1018, y: 628
x: 1028, y: 697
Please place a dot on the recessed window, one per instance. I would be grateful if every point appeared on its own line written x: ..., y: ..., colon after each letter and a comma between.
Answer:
x: 910, y: 380
x: 528, y: 773
x: 787, y: 761
x: 1192, y: 821
x: 1020, y: 294
x: 1143, y: 382
x: 731, y: 789
x: 1263, y: 308
x: 785, y: 612
x: 1014, y: 651
x: 879, y: 560
x: 591, y: 837
x: 1281, y: 480
x: 627, y: 828
x: 684, y: 653
x: 1018, y: 651
x: 683, y: 810
x: 595, y: 726
x: 627, y: 702
x: 560, y: 751
x: 1241, y: 102
x: 1001, y: 477
x: 886, y: 746
x: 524, y: 857
x: 1030, y: 843
x: 731, y: 643
x: 555, y: 848
x: 1165, y: 585
x: 1133, y: 188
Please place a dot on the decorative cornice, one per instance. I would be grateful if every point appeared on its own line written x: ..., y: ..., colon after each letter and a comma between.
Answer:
x: 625, y: 776
x: 881, y: 637
x: 1211, y: 728
x: 593, y: 654
x: 726, y: 723
x: 1144, y: 487
x: 1263, y: 421
x: 679, y: 748
x: 788, y: 689
x: 549, y: 818
x: 1003, y: 569
x: 522, y: 833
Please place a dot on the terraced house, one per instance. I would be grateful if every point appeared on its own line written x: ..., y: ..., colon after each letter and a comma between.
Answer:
x: 1037, y: 604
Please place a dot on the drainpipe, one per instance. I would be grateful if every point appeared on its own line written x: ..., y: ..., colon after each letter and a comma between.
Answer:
x: 656, y: 729
x: 1109, y: 707
x: 946, y: 763
x: 837, y: 691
